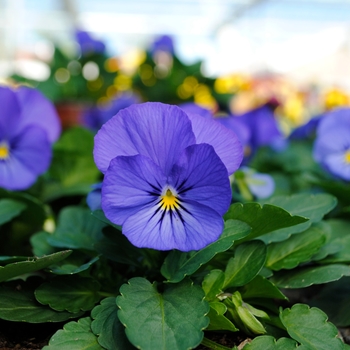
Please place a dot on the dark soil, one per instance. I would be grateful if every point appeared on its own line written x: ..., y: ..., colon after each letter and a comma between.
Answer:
x: 26, y: 336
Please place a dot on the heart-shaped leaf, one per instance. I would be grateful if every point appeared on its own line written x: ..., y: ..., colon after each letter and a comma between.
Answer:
x: 249, y: 258
x: 266, y: 342
x: 71, y: 293
x: 76, y: 229
x: 106, y: 324
x: 177, y: 264
x: 310, y: 328
x: 172, y: 319
x: 74, y: 336
x: 262, y: 219
x: 31, y: 265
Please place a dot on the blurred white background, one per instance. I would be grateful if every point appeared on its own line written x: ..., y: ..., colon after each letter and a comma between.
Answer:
x: 306, y: 40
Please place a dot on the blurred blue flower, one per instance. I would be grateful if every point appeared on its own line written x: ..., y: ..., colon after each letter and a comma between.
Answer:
x: 263, y: 127
x: 28, y: 126
x: 191, y: 107
x: 163, y: 43
x: 87, y: 44
x: 332, y: 143
x: 93, y: 199
x: 260, y: 185
x: 166, y: 175
x: 306, y: 131
x: 94, y: 117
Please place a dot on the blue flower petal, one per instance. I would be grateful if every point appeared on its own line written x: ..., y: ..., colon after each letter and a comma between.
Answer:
x: 128, y: 186
x: 197, y: 227
x: 30, y: 156
x: 153, y: 129
x: 200, y: 175
x: 225, y: 142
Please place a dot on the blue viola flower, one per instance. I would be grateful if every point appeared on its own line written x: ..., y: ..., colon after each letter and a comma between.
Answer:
x: 306, y: 131
x: 166, y: 175
x: 192, y: 107
x: 87, y: 44
x: 25, y: 136
x: 264, y: 130
x: 332, y: 143
x: 94, y: 117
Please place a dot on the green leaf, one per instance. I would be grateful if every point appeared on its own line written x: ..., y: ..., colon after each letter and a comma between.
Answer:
x: 339, y: 238
x: 33, y: 213
x: 249, y: 258
x: 312, y: 206
x: 307, y: 205
x: 213, y: 284
x: 173, y: 319
x: 266, y: 342
x: 307, y: 276
x: 18, y: 304
x: 99, y: 214
x: 74, y: 336
x: 296, y: 249
x: 9, y: 209
x: 262, y: 219
x: 70, y: 293
x: 74, y: 264
x: 217, y: 319
x: 72, y: 169
x: 31, y: 265
x: 106, y: 324
x: 76, y: 229
x: 40, y: 245
x: 260, y: 287
x: 310, y: 328
x: 178, y: 265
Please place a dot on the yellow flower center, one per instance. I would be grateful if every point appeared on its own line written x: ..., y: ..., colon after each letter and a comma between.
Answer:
x: 169, y: 201
x: 4, y: 151
x: 347, y: 156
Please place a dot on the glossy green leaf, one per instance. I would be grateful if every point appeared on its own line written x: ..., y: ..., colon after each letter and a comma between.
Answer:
x: 307, y: 276
x: 18, y: 304
x: 266, y: 342
x: 178, y: 265
x: 213, y: 284
x: 260, y: 287
x: 312, y: 206
x: 295, y: 250
x: 171, y: 319
x: 70, y: 293
x: 249, y: 258
x: 108, y: 328
x: 31, y: 265
x: 76, y: 229
x: 9, y: 209
x: 74, y: 336
x: 262, y: 219
x: 310, y: 328
x: 218, y: 321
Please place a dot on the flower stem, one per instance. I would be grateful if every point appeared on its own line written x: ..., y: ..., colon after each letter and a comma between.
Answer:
x: 215, y: 346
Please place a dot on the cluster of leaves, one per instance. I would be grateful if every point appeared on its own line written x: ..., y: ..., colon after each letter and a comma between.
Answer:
x: 61, y: 263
